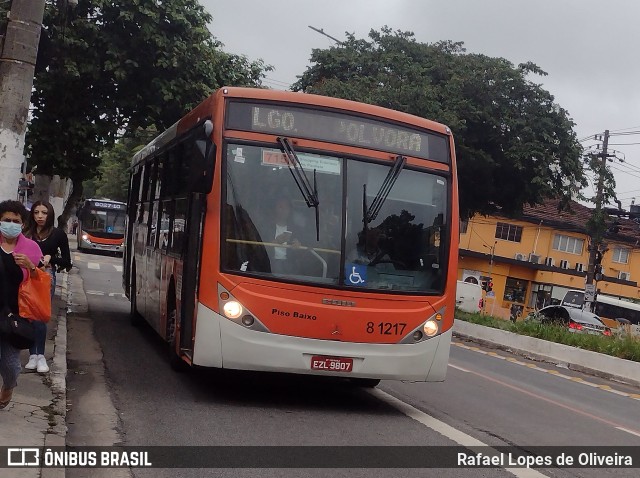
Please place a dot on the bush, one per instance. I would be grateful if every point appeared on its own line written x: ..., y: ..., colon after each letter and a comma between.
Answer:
x: 622, y: 347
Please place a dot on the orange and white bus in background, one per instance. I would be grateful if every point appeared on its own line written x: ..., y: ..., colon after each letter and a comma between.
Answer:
x: 101, y: 224
x: 288, y: 232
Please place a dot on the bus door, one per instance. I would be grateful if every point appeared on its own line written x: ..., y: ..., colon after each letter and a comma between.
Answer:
x: 198, y: 155
x: 191, y: 269
x: 132, y: 215
x: 152, y: 256
x: 153, y: 261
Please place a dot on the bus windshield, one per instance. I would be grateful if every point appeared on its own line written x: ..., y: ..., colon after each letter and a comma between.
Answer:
x: 268, y: 229
x: 101, y: 223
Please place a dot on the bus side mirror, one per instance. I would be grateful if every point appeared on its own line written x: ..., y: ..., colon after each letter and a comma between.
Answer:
x: 201, y: 180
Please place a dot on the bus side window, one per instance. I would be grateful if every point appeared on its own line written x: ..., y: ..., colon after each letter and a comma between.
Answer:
x: 144, y: 192
x: 160, y: 177
x: 153, y: 205
x: 153, y: 225
x: 177, y: 162
x: 179, y: 226
x: 134, y: 195
x: 165, y: 223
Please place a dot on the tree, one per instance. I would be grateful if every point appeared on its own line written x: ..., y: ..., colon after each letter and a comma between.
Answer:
x: 112, y: 66
x: 514, y: 144
x: 112, y: 178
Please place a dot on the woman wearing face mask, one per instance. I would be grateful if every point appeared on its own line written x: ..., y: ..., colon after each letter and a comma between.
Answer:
x: 54, y: 245
x: 19, y: 257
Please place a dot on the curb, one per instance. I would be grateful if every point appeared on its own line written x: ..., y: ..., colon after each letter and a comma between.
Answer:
x: 593, y: 363
x: 57, y: 434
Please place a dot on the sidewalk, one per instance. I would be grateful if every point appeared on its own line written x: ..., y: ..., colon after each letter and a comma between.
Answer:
x: 36, y: 416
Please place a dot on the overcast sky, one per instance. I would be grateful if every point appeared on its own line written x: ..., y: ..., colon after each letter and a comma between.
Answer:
x: 590, y: 49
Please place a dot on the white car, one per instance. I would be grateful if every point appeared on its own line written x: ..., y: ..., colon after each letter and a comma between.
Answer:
x: 469, y: 297
x: 576, y: 320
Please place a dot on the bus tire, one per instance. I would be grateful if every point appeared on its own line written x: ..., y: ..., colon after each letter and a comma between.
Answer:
x: 365, y: 382
x: 134, y: 316
x: 175, y: 361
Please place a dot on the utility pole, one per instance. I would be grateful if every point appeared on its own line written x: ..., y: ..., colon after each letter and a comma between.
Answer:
x: 589, y: 289
x: 17, y: 66
x: 493, y: 252
x: 321, y: 32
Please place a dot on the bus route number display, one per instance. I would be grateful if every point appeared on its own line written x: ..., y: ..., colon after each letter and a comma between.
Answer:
x: 108, y: 205
x: 337, y: 128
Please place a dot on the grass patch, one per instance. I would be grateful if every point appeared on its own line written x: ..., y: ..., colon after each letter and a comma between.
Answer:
x: 621, y: 347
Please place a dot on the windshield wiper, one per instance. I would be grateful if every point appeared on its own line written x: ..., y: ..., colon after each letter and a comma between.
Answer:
x: 309, y: 193
x: 392, y: 176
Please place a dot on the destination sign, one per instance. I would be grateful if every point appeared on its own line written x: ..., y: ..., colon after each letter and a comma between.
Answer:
x: 109, y: 205
x: 339, y: 128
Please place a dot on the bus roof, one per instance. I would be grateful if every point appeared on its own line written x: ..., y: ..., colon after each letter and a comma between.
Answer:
x: 205, y: 108
x: 103, y: 200
x: 385, y: 114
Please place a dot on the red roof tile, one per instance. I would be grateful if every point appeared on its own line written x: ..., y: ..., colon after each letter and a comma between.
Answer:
x: 576, y: 220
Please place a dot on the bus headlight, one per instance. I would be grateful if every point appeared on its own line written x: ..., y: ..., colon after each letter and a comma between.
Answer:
x: 86, y: 238
x: 430, y: 328
x: 232, y: 309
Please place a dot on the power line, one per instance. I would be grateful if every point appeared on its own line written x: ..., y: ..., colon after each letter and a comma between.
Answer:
x: 631, y: 167
x: 624, y: 129
x: 626, y: 133
x: 632, y: 191
x: 273, y: 80
x: 626, y: 172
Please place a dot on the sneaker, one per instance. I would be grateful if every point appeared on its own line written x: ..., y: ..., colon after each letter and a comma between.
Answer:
x: 32, y: 363
x: 42, y: 364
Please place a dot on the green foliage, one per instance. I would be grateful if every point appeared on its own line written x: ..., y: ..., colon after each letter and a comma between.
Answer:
x: 514, y: 144
x: 622, y: 347
x: 112, y: 179
x: 112, y: 66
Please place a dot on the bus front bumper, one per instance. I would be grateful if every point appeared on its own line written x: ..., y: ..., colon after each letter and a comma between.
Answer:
x: 222, y: 343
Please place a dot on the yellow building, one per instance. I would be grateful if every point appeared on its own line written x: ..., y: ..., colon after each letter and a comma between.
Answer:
x: 535, y: 259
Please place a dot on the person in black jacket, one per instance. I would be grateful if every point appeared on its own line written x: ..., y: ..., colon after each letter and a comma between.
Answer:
x: 55, y: 248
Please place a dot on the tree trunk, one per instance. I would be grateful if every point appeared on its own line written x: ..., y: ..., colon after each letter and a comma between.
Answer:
x: 72, y: 202
x: 42, y: 184
x: 17, y: 64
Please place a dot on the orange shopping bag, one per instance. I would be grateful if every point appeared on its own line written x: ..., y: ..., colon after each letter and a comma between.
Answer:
x: 34, y: 297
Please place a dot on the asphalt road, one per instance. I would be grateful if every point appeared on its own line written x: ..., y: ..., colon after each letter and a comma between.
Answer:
x: 489, y: 398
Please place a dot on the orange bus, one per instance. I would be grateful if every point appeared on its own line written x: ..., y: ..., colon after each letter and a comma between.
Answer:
x: 288, y: 232
x: 101, y: 224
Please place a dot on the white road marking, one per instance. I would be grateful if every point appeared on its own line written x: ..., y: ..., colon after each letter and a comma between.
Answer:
x: 116, y: 294
x: 118, y: 268
x: 448, y: 431
x: 93, y: 265
x: 628, y: 431
x: 94, y: 292
x: 459, y: 368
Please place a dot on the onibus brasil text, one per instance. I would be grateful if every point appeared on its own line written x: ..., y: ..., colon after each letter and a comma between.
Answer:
x: 96, y: 458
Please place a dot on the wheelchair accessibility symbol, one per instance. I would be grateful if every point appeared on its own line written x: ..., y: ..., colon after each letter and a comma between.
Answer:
x: 356, y: 274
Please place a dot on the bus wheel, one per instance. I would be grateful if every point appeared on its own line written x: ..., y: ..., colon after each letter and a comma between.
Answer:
x: 365, y: 382
x: 176, y: 363
x: 134, y: 317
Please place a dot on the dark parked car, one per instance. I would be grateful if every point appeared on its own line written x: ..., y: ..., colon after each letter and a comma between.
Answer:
x: 576, y: 320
